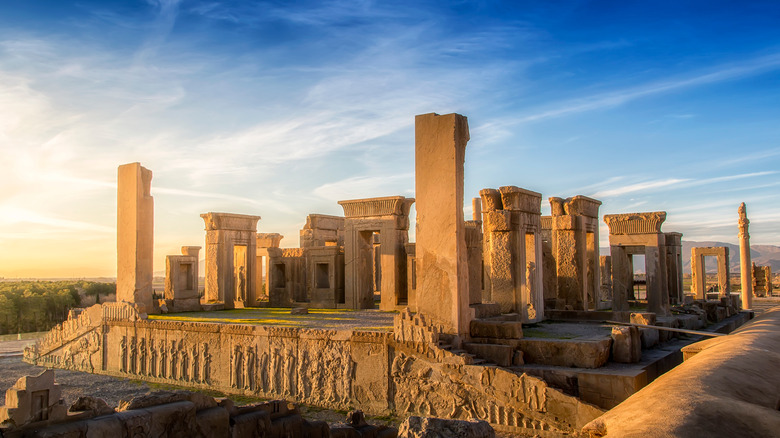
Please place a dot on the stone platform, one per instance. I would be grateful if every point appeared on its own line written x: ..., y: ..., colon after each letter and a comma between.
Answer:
x: 333, y: 319
x: 608, y: 385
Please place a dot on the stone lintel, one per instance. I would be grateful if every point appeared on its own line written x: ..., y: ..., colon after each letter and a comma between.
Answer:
x: 269, y: 240
x: 230, y: 221
x: 635, y: 223
x: 370, y: 207
x: 324, y: 222
x: 709, y: 251
x: 517, y: 199
x: 190, y: 251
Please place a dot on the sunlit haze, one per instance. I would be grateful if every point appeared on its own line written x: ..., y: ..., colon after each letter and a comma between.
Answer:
x: 281, y: 110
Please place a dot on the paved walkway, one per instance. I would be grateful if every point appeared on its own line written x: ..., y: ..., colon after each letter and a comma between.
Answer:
x: 761, y: 305
x: 14, y: 348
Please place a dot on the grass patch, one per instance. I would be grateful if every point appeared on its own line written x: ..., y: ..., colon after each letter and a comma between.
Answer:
x: 537, y: 333
x: 24, y: 336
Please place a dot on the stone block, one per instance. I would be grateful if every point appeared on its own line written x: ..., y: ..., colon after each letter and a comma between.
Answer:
x: 423, y: 427
x: 566, y: 353
x: 646, y: 318
x: 213, y: 421
x: 501, y: 355
x: 649, y: 337
x: 626, y: 345
x: 496, y: 329
x: 257, y: 423
x: 498, y: 220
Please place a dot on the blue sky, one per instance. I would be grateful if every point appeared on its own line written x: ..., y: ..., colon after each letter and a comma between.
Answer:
x: 281, y: 109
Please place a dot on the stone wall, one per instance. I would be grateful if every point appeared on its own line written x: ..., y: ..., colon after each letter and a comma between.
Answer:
x: 406, y: 373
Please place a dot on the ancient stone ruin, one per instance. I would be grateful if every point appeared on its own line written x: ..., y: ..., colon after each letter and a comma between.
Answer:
x: 456, y: 330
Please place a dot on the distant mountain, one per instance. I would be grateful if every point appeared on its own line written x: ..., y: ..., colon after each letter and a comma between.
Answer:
x: 765, y: 255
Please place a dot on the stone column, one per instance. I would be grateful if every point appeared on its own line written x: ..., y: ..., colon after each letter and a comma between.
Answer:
x: 499, y: 271
x: 657, y: 288
x: 622, y: 278
x: 745, y: 266
x: 135, y: 236
x: 442, y: 267
x: 605, y: 275
x: 476, y: 209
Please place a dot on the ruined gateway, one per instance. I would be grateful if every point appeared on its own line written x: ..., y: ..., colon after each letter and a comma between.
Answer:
x: 462, y: 292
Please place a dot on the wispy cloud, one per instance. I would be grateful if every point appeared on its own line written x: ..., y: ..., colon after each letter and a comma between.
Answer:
x: 638, y: 187
x: 366, y: 186
x: 750, y: 67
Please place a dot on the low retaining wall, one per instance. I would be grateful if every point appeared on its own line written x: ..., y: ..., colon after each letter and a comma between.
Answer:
x: 728, y: 386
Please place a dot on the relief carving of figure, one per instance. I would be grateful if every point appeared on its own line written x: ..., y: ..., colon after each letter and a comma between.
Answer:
x: 133, y: 355
x: 241, y: 284
x: 184, y: 364
x: 250, y: 369
x: 123, y: 354
x: 236, y: 367
x: 152, y: 358
x: 205, y: 363
x: 142, y: 356
x: 174, y: 358
x: 195, y: 374
x: 162, y: 372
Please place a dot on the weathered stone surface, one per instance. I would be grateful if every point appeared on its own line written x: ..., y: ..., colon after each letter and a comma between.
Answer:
x: 33, y: 399
x: 135, y: 236
x: 501, y: 355
x: 200, y: 401
x: 417, y: 427
x: 698, y: 276
x: 441, y: 253
x: 626, y: 344
x: 299, y: 311
x: 496, y: 329
x: 566, y: 353
x: 94, y: 405
x: 729, y: 388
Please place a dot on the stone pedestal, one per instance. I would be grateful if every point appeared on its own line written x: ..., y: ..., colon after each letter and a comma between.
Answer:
x: 135, y: 236
x: 442, y: 260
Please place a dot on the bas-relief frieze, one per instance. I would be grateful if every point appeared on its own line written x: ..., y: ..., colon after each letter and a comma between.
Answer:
x: 402, y: 373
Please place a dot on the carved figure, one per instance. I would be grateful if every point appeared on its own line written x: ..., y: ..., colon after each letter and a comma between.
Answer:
x: 142, y: 356
x: 174, y: 358
x: 205, y: 363
x: 123, y: 354
x: 152, y: 358
x: 133, y: 354
x: 184, y: 365
x: 195, y: 374
x: 241, y: 284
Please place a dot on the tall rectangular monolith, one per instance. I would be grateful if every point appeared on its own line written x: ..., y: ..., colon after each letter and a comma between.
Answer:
x: 135, y: 236
x: 442, y: 265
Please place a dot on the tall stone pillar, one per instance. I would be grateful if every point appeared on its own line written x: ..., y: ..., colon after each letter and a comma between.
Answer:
x: 135, y: 236
x: 474, y: 249
x: 476, y: 209
x: 442, y: 268
x: 745, y: 266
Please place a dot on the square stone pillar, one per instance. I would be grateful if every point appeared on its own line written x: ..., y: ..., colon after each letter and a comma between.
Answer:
x: 231, y: 258
x: 474, y: 247
x: 674, y: 270
x: 655, y: 264
x: 135, y: 236
x: 442, y: 261
x: 499, y: 266
x: 622, y: 278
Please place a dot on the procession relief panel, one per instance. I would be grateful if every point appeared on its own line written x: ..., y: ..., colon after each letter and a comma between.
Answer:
x: 405, y: 373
